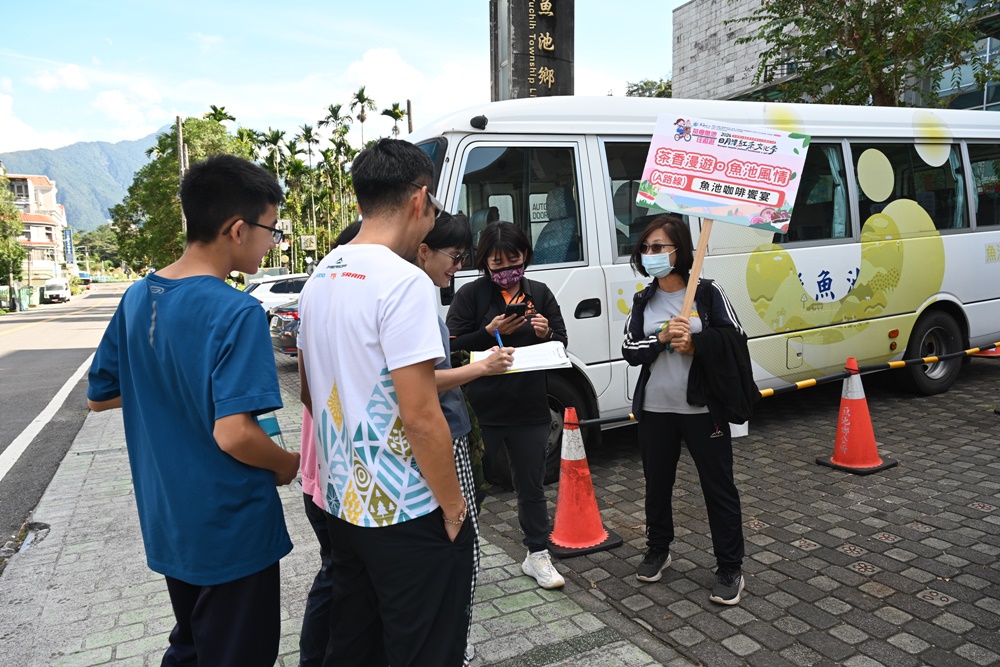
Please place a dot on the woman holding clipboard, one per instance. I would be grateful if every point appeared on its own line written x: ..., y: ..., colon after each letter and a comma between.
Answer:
x: 513, y: 410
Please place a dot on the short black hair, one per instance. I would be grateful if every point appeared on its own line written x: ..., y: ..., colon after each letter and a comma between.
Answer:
x: 678, y: 233
x: 347, y: 234
x: 505, y: 238
x: 221, y: 187
x: 450, y: 231
x: 384, y: 175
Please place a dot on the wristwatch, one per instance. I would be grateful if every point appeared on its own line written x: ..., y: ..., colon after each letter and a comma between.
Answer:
x: 461, y: 517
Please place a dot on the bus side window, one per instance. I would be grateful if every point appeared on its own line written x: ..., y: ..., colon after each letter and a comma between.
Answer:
x: 534, y: 187
x: 935, y: 181
x: 821, y: 209
x: 625, y: 163
x: 985, y: 161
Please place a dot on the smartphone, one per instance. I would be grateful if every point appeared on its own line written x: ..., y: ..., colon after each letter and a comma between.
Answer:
x: 516, y: 309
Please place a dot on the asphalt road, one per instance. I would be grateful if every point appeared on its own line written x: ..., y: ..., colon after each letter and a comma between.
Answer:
x: 39, y: 351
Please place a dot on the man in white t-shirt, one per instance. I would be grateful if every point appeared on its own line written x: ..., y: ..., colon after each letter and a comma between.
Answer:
x: 368, y: 342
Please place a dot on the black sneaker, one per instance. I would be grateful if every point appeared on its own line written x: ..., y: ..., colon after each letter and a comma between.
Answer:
x: 728, y: 586
x: 653, y: 564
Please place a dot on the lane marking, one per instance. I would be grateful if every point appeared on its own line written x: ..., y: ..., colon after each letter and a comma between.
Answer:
x: 13, y: 452
x: 35, y: 324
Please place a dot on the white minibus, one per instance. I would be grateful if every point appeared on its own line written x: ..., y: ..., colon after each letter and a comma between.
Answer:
x: 893, y: 250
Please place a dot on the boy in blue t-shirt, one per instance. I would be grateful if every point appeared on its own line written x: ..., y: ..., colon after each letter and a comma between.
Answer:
x: 189, y: 360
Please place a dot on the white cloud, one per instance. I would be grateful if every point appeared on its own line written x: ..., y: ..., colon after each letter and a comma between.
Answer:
x: 207, y: 43
x: 116, y: 105
x: 6, y: 85
x: 16, y: 135
x: 597, y: 82
x: 67, y: 76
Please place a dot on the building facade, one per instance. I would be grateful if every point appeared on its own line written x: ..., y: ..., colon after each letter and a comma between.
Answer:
x: 708, y: 64
x: 44, y: 221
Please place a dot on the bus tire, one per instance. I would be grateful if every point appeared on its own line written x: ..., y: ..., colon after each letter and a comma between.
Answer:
x: 562, y: 393
x: 936, y: 333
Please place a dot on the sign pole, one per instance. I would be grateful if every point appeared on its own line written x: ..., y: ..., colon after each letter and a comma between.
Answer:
x: 699, y: 259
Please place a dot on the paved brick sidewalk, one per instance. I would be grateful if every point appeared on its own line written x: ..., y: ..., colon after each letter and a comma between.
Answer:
x: 899, y: 568
x: 79, y: 593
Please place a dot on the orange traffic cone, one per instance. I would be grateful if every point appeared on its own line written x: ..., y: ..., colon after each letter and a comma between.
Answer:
x: 577, y: 529
x: 855, y: 449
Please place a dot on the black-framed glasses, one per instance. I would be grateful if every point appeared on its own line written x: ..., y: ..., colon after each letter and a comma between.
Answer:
x: 457, y: 260
x: 276, y: 234
x: 435, y: 202
x: 655, y: 248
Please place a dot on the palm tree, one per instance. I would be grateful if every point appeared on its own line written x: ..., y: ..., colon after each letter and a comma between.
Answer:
x: 218, y: 114
x: 310, y: 140
x: 334, y: 118
x: 365, y: 103
x: 165, y: 143
x: 272, y: 140
x: 396, y: 113
x: 250, y: 140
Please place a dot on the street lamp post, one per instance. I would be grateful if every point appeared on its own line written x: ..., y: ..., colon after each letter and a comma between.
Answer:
x: 86, y: 254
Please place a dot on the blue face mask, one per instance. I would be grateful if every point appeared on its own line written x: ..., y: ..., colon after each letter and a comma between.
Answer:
x: 657, y: 265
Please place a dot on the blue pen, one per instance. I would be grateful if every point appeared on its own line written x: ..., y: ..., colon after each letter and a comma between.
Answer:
x: 496, y: 332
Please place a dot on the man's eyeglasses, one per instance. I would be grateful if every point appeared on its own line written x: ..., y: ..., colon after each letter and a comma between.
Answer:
x: 435, y: 202
x: 276, y: 234
x: 655, y: 248
x: 457, y: 260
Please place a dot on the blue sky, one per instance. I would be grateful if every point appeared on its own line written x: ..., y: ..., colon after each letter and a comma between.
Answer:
x: 108, y: 70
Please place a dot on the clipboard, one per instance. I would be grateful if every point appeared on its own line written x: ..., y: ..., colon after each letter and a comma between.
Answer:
x: 541, y: 357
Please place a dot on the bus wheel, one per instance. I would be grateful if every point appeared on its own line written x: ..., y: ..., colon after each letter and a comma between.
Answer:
x: 564, y: 394
x: 936, y: 333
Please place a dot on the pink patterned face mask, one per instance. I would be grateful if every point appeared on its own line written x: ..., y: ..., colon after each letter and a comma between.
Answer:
x: 508, y: 277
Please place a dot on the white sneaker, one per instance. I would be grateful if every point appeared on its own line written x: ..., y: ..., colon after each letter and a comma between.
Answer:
x: 539, y: 565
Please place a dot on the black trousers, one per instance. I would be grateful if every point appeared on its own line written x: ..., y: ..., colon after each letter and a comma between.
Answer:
x: 711, y: 447
x: 236, y: 624
x: 316, y: 619
x: 526, y: 451
x: 401, y: 594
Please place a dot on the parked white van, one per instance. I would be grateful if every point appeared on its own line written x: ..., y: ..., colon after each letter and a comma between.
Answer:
x: 55, y: 290
x: 899, y: 258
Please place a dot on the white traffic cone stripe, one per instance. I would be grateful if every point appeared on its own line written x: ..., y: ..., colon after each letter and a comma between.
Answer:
x: 853, y: 389
x: 572, y: 445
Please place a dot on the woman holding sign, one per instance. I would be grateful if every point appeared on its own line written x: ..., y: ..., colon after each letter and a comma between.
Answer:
x: 503, y: 307
x: 695, y: 366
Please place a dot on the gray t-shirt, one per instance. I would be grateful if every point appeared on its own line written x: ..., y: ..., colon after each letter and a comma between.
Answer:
x: 452, y: 401
x: 666, y: 390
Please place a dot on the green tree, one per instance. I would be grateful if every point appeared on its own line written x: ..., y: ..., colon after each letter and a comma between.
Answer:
x: 396, y: 113
x: 147, y: 224
x: 273, y: 143
x: 101, y: 244
x: 12, y: 253
x: 218, y: 114
x: 310, y: 139
x: 861, y: 52
x: 650, y: 88
x: 364, y: 103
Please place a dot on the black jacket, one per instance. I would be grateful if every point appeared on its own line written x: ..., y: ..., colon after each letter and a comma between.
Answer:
x: 504, y: 400
x: 721, y: 375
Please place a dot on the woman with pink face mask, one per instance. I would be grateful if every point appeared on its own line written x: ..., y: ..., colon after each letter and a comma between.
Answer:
x: 513, y: 410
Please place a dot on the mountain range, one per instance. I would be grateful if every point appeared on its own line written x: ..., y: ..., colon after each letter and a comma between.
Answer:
x: 90, y: 177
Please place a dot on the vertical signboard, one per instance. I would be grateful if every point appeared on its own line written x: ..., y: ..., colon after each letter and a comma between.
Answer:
x: 531, y: 48
x: 69, y: 256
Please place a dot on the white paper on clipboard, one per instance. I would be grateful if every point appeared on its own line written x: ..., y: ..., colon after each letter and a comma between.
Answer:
x: 543, y: 356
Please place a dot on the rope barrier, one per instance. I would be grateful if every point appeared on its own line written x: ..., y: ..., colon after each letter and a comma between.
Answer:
x: 812, y: 382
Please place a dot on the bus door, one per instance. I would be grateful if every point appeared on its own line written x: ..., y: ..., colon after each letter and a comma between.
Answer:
x: 538, y: 183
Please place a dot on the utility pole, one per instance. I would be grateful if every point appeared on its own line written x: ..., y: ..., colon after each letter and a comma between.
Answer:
x: 409, y: 115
